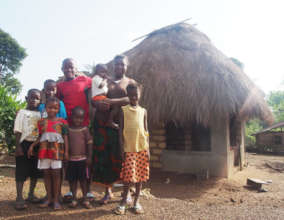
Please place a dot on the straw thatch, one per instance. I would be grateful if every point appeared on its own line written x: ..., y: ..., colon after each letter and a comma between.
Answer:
x: 186, y: 78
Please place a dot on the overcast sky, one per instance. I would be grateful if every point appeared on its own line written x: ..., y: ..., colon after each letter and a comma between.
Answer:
x: 92, y: 31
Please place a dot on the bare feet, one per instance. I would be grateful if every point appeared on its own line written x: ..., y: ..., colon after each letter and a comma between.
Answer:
x: 57, y: 206
x: 105, y: 200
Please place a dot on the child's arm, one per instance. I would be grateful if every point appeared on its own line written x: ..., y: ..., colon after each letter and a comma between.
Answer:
x: 146, y: 131
x: 19, y: 150
x: 120, y: 132
x: 89, y: 146
x: 31, y: 148
x: 66, y: 148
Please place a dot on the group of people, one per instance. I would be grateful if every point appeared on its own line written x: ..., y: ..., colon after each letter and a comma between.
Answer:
x: 86, y: 130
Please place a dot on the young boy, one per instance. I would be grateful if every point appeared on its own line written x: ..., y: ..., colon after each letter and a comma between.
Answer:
x: 80, y: 152
x: 26, y: 132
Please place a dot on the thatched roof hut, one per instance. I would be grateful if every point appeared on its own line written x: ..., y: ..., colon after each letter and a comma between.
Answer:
x: 186, y: 78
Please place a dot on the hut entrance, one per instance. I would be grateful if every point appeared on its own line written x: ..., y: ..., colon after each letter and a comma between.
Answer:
x: 194, y: 137
x: 235, y: 133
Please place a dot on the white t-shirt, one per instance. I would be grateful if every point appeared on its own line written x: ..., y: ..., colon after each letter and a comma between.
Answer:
x: 26, y: 123
x: 96, y: 81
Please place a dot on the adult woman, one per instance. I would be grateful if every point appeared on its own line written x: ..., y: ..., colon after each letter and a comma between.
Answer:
x: 106, y: 151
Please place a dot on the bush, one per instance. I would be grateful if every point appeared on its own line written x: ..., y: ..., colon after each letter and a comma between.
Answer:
x: 8, y: 109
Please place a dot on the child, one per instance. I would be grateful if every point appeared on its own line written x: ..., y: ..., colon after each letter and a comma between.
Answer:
x: 26, y: 133
x: 53, y: 149
x: 134, y: 141
x: 80, y: 152
x: 100, y: 89
x: 50, y: 91
x: 74, y: 90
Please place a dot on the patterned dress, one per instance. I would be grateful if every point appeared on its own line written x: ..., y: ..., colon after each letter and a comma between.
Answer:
x: 51, y: 140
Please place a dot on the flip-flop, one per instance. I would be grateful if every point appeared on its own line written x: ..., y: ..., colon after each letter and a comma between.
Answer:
x: 33, y: 199
x: 57, y: 206
x: 90, y: 196
x: 45, y: 204
x: 20, y: 205
x: 120, y: 210
x: 73, y: 204
x: 87, y: 204
x: 138, y: 209
x: 105, y: 200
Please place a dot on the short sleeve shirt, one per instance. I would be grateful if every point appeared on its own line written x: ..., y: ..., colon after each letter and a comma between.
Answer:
x: 26, y: 123
x: 74, y: 93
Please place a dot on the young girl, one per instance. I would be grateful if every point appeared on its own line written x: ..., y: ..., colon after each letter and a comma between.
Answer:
x: 134, y: 141
x: 53, y: 149
x: 26, y: 133
x: 80, y: 152
x: 50, y: 91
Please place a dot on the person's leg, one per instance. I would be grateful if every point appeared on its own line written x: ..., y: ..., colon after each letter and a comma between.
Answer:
x: 108, y: 196
x: 21, y: 173
x: 125, y: 193
x: 86, y: 202
x: 137, y: 207
x: 48, y: 187
x: 56, y: 179
x: 73, y: 188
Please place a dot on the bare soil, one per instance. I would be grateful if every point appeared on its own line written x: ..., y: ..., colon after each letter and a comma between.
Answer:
x: 170, y: 196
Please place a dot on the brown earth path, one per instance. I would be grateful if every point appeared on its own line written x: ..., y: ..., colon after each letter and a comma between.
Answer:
x: 182, y: 198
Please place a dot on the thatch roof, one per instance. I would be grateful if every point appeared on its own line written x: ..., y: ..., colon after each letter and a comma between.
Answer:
x: 276, y: 125
x: 186, y: 78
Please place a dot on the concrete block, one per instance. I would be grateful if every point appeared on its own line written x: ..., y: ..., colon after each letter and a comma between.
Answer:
x: 158, y: 138
x: 158, y: 132
x: 156, y: 165
x: 162, y: 145
x: 154, y: 158
x: 153, y: 144
x: 156, y: 151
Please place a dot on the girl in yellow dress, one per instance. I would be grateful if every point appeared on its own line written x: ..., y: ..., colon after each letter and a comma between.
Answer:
x: 134, y: 142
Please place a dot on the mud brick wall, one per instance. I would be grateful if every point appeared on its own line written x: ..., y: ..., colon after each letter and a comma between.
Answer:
x: 157, y: 144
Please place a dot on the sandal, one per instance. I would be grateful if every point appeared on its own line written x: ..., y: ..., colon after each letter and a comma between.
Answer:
x: 120, y: 210
x: 20, y: 205
x: 105, y: 200
x: 87, y: 204
x: 45, y: 204
x: 33, y: 199
x: 57, y: 206
x: 73, y: 204
x: 138, y: 209
x: 90, y: 196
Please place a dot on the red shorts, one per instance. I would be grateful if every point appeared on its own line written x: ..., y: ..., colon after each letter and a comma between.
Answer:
x: 99, y: 97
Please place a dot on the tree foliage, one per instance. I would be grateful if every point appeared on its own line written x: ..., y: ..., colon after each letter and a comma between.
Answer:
x: 8, y: 109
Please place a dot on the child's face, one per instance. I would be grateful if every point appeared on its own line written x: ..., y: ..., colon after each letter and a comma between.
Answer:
x: 69, y: 69
x: 77, y: 118
x: 101, y: 72
x: 52, y: 109
x: 120, y: 67
x: 33, y: 100
x: 134, y: 96
x: 50, y: 90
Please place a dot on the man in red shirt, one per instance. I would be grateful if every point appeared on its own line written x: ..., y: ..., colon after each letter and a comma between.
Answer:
x: 73, y: 90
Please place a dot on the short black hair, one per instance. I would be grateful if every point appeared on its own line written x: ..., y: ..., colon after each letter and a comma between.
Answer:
x: 78, y: 109
x: 133, y: 86
x: 48, y: 81
x: 100, y: 65
x: 52, y: 99
x: 67, y: 60
x: 33, y: 90
x: 121, y: 57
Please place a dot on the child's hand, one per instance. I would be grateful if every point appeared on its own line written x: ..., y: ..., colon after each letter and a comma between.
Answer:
x: 19, y: 151
x: 30, y: 151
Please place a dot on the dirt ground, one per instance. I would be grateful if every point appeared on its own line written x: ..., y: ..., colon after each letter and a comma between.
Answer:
x: 171, y: 196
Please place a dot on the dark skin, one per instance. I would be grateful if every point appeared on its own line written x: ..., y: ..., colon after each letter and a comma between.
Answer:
x: 69, y: 69
x: 117, y: 95
x: 50, y: 89
x: 134, y: 96
x: 52, y: 177
x: 33, y: 101
x: 77, y: 119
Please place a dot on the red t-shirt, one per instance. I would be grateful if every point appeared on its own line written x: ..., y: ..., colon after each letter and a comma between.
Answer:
x: 73, y: 93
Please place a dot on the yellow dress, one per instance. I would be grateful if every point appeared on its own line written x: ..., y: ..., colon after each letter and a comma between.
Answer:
x: 134, y: 134
x: 135, y: 167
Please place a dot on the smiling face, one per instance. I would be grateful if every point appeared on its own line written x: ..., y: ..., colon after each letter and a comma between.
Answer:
x: 33, y: 99
x: 120, y: 67
x: 50, y: 89
x: 52, y: 108
x: 69, y: 69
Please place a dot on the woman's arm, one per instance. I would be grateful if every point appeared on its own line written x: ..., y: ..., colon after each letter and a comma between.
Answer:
x: 120, y: 132
x: 31, y: 148
x: 147, y: 132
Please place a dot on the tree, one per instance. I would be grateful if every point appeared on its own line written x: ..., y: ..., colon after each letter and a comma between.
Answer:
x: 276, y: 101
x: 11, y: 56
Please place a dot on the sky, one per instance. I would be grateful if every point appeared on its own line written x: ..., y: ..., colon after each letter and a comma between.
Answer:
x: 94, y: 31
